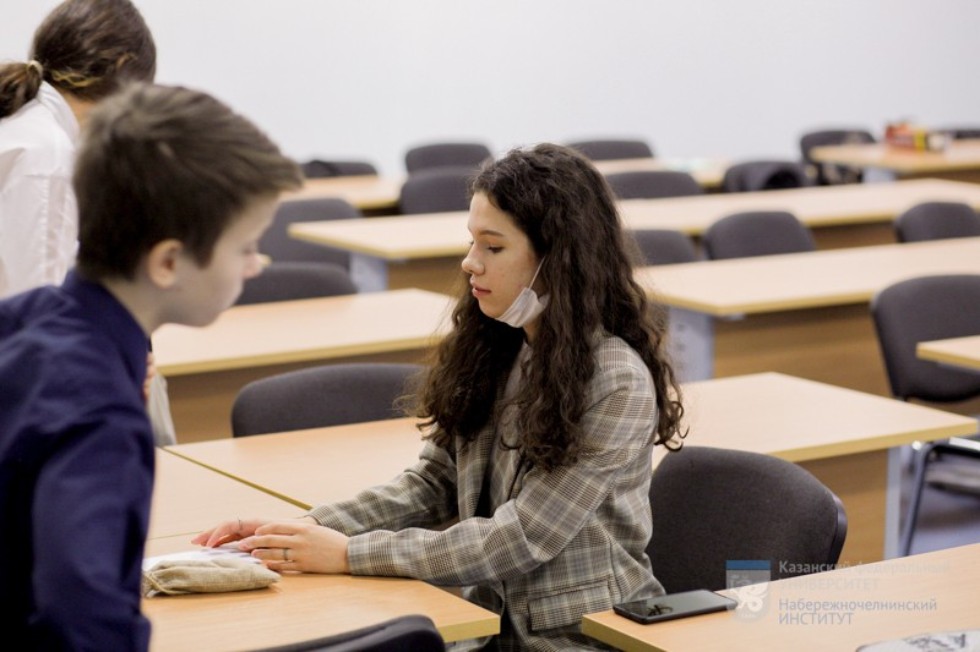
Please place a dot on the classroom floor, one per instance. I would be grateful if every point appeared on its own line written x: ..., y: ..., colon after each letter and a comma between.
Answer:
x: 946, y: 519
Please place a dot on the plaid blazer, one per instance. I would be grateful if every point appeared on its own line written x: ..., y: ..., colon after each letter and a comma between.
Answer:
x: 553, y: 546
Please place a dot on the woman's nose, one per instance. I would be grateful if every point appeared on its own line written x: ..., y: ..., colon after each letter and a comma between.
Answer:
x: 470, y: 265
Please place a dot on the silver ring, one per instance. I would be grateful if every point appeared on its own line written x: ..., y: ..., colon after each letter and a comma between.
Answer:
x: 285, y: 554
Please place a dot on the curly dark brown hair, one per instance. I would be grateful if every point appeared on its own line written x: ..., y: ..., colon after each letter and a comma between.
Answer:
x: 564, y: 206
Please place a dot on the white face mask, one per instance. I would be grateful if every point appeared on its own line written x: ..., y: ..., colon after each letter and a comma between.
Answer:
x: 526, y: 306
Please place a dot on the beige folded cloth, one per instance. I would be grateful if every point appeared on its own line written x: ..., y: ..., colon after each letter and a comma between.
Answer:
x: 177, y: 576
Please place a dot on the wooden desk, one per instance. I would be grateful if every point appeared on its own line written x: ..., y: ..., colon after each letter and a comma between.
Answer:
x: 205, y: 367
x: 425, y: 250
x: 188, y: 498
x: 297, y: 607
x: 709, y: 173
x: 931, y: 592
x: 960, y: 161
x: 840, y: 435
x: 957, y: 351
x: 379, y: 195
x: 802, y: 314
x: 370, y: 194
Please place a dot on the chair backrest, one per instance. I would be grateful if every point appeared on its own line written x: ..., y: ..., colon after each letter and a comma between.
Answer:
x: 326, y: 395
x: 751, y: 176
x: 711, y: 506
x: 411, y: 633
x: 665, y: 246
x: 280, y: 246
x: 599, y: 149
x: 826, y: 173
x: 961, y: 132
x: 652, y: 184
x: 756, y: 233
x: 286, y: 281
x: 438, y: 155
x: 920, y: 309
x: 936, y: 220
x: 435, y: 191
x: 319, y: 168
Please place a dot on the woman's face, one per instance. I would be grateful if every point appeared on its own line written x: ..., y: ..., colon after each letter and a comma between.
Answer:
x: 501, y: 261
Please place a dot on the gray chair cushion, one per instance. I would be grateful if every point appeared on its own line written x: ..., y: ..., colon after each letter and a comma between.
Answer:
x: 752, y: 176
x: 437, y: 155
x: 936, y: 220
x: 411, y: 633
x: 326, y: 395
x: 756, y: 233
x: 286, y: 281
x: 605, y: 149
x: 280, y: 246
x: 664, y: 246
x: 712, y: 506
x: 436, y: 190
x: 653, y: 184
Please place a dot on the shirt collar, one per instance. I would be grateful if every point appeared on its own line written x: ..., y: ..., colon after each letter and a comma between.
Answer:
x: 51, y: 99
x: 114, y: 319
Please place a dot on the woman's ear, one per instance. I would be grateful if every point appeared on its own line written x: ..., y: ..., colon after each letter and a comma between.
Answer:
x: 163, y: 263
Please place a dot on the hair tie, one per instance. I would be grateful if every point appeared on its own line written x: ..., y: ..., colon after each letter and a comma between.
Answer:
x: 35, y: 65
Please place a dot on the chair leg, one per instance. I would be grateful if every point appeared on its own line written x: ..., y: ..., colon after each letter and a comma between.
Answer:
x: 915, y: 499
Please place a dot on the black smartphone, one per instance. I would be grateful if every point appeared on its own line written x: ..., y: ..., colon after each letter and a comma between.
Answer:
x: 674, y: 605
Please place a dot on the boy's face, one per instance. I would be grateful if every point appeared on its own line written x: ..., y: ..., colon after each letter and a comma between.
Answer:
x: 208, y: 291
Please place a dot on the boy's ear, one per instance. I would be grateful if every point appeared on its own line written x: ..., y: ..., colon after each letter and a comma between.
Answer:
x: 162, y: 262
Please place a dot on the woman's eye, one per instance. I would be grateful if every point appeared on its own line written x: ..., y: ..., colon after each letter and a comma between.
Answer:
x: 494, y: 249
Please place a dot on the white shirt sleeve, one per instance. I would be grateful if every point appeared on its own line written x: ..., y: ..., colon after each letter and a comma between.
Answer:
x: 38, y: 210
x: 38, y: 232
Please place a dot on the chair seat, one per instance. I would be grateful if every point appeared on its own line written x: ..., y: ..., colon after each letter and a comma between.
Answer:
x: 961, y: 478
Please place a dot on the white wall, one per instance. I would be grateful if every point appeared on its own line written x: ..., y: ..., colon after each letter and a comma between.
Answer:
x: 736, y: 78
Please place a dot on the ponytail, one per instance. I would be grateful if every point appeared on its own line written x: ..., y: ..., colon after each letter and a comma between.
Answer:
x: 19, y: 84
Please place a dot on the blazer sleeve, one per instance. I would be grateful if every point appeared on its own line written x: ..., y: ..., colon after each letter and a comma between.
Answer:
x: 549, y: 510
x: 422, y: 496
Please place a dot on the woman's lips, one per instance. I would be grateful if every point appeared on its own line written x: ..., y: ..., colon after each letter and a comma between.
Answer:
x: 478, y: 292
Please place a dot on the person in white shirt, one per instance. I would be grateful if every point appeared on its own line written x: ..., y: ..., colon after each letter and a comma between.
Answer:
x: 83, y: 51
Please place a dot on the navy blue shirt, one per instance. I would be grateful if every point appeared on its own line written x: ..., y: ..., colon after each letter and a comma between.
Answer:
x: 76, y: 470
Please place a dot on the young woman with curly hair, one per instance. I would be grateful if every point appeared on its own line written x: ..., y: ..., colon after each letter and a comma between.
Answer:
x: 543, y: 406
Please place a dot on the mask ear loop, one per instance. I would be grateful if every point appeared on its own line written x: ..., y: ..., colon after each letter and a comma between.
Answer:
x: 535, y: 277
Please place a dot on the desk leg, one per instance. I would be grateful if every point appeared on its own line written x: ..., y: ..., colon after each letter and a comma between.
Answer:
x: 691, y: 343
x: 893, y: 502
x: 369, y: 273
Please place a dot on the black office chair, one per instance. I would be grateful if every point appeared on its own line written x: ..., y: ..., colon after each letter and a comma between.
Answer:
x: 961, y: 132
x: 607, y: 149
x: 664, y: 246
x: 827, y: 174
x: 319, y: 168
x: 917, y: 310
x: 281, y: 247
x: 712, y: 506
x: 753, y: 176
x: 653, y: 184
x: 286, y: 281
x: 756, y: 233
x: 436, y: 191
x: 438, y: 155
x: 936, y: 220
x: 326, y: 395
x: 411, y: 633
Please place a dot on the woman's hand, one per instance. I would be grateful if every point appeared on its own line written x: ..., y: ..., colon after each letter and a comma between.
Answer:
x: 298, y: 545
x: 228, y: 531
